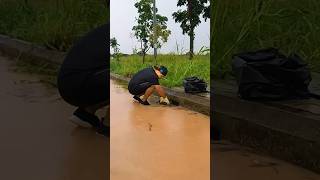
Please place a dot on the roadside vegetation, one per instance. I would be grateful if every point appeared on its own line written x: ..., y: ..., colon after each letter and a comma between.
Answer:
x: 246, y: 25
x: 55, y: 24
x: 181, y: 64
x: 179, y: 67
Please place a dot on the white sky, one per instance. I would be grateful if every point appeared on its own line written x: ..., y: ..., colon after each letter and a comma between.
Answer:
x: 122, y: 19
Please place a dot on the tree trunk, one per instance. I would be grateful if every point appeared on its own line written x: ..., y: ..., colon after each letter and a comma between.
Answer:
x: 191, y: 44
x: 143, y: 56
x: 117, y: 54
x: 191, y: 33
x: 142, y: 50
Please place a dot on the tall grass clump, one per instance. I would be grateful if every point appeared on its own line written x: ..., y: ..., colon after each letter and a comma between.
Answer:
x: 179, y: 67
x: 246, y: 25
x: 56, y: 24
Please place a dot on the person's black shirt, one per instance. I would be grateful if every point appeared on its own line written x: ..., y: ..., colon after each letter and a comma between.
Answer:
x: 91, y: 52
x: 143, y: 76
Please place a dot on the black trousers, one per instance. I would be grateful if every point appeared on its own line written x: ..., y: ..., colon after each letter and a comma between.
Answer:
x: 139, y: 89
x: 84, y: 89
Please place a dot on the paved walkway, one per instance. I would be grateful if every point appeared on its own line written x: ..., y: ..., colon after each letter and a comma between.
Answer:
x: 37, y: 140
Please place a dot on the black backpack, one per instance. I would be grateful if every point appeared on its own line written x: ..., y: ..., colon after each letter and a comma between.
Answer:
x: 194, y: 85
x: 269, y: 75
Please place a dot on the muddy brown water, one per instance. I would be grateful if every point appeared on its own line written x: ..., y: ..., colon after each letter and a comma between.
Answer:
x: 37, y: 140
x: 156, y: 142
x: 159, y: 142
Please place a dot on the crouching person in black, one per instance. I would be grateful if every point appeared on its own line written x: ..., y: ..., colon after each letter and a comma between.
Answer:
x: 83, y: 79
x: 145, y: 82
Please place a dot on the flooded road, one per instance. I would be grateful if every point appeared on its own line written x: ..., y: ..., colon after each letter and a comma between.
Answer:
x: 37, y: 140
x: 233, y: 162
x: 156, y: 142
x: 147, y: 143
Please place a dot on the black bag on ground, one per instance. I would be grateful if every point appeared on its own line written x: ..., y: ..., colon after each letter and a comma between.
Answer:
x: 269, y: 75
x: 194, y: 85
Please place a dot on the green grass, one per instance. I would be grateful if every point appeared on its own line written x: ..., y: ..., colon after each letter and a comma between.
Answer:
x: 179, y: 67
x: 55, y: 24
x: 245, y: 25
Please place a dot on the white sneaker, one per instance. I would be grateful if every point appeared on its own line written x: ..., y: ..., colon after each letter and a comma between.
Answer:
x: 164, y: 101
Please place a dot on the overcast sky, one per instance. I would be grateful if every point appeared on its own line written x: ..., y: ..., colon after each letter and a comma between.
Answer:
x: 122, y: 19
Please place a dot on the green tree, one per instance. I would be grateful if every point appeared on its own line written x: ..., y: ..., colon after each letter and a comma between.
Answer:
x: 115, y: 46
x: 190, y: 18
x: 143, y: 31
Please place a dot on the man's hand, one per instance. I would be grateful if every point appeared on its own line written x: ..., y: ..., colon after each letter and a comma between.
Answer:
x: 164, y: 101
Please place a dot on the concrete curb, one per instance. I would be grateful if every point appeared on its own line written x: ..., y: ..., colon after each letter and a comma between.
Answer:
x: 28, y: 51
x: 193, y: 102
x: 25, y: 50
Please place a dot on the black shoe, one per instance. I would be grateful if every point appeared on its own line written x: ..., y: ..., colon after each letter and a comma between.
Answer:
x: 140, y: 101
x: 85, y: 119
x: 103, y: 129
x: 137, y: 98
x: 145, y: 103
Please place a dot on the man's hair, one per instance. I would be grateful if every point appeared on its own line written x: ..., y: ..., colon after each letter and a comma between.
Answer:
x: 156, y: 67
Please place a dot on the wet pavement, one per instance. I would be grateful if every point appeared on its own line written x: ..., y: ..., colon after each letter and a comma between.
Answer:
x: 156, y: 142
x: 233, y: 162
x: 37, y: 140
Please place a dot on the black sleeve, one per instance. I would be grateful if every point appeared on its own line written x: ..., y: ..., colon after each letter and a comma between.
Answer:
x: 89, y: 52
x: 154, y: 81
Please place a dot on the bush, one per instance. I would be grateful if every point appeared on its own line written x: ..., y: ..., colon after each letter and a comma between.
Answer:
x: 246, y: 25
x: 179, y: 67
x: 55, y: 24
